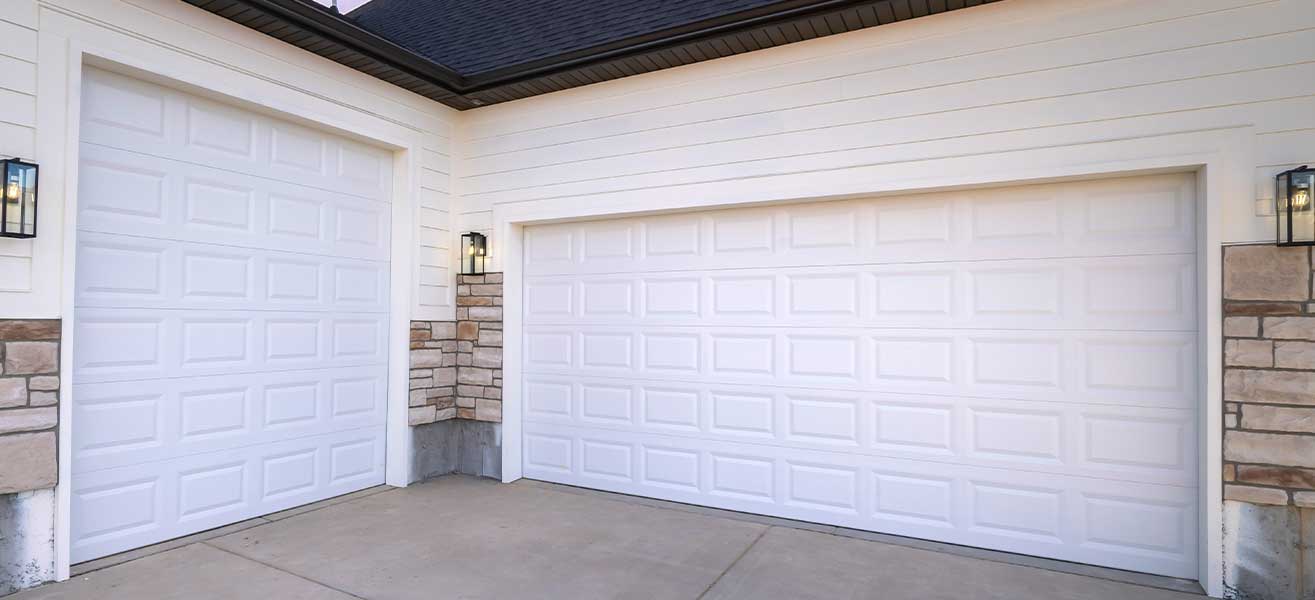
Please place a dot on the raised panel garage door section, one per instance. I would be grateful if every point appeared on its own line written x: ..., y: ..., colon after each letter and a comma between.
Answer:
x: 1010, y: 368
x: 229, y: 354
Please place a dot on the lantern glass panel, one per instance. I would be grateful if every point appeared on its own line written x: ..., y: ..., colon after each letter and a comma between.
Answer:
x: 474, y: 253
x: 19, y: 210
x: 1295, y: 191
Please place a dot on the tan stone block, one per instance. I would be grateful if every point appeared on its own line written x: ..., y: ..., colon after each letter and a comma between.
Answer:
x: 465, y: 413
x: 490, y: 337
x: 43, y: 399
x: 493, y: 392
x: 1230, y: 421
x: 485, y: 313
x: 1294, y: 355
x: 13, y: 392
x: 486, y: 290
x: 428, y: 358
x: 417, y: 398
x: 467, y: 330
x: 474, y: 376
x: 1255, y: 495
x: 420, y: 383
x: 1230, y: 472
x: 1278, y: 418
x: 474, y: 301
x: 444, y: 414
x: 490, y: 358
x: 1247, y: 327
x: 28, y: 419
x: 1275, y: 387
x: 1284, y: 477
x: 419, y: 335
x: 29, y: 329
x: 1288, y: 328
x: 30, y: 358
x: 1306, y: 500
x: 493, y: 278
x: 1266, y: 272
x: 422, y: 415
x: 43, y: 383
x: 465, y: 402
x: 488, y: 410
x: 1269, y: 448
x: 1249, y: 353
x: 29, y: 462
x: 445, y: 376
x: 1232, y: 308
x: 467, y: 279
x: 444, y: 330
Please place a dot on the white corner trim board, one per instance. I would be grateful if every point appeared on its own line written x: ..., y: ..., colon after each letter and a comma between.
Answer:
x: 957, y: 365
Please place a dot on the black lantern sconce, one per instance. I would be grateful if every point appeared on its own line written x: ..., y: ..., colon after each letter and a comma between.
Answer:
x: 18, y: 213
x: 474, y: 253
x: 1295, y: 206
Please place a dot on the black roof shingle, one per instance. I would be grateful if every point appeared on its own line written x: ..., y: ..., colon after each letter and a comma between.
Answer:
x: 477, y: 36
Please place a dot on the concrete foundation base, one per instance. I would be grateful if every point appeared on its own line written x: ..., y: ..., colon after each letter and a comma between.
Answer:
x: 27, y: 540
x: 456, y: 446
x: 1268, y: 552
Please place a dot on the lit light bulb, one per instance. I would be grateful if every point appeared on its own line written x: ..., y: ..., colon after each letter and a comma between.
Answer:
x: 1301, y: 198
x: 12, y: 191
x: 472, y: 250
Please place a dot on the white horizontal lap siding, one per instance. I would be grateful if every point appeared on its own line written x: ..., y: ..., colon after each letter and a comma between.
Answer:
x: 1012, y: 368
x: 231, y: 315
x: 1028, y: 74
x: 18, y: 58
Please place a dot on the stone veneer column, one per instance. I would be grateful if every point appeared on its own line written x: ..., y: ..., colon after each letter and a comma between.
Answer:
x: 479, y: 347
x: 456, y: 385
x: 29, y: 416
x: 433, y: 371
x: 1269, y: 422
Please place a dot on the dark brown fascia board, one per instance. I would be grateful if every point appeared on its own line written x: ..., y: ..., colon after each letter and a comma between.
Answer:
x: 337, y: 30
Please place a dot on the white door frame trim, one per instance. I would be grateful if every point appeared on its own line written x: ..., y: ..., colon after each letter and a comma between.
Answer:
x: 1221, y: 158
x: 60, y: 85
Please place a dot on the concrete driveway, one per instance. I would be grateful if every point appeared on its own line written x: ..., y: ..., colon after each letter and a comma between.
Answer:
x: 458, y: 537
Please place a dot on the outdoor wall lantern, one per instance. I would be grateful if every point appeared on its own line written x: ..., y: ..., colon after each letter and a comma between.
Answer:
x: 474, y: 251
x: 18, y: 214
x: 1293, y: 203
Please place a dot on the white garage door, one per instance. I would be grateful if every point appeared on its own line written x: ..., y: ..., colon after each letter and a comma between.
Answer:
x: 229, y: 355
x: 1009, y: 368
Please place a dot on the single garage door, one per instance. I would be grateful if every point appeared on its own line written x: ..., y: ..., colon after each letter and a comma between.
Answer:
x: 229, y: 356
x: 1011, y: 368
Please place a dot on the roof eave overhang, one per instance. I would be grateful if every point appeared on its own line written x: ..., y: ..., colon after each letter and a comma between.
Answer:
x: 328, y: 34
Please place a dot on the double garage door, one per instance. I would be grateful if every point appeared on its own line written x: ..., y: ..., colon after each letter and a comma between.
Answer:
x: 231, y: 313
x: 1010, y: 368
